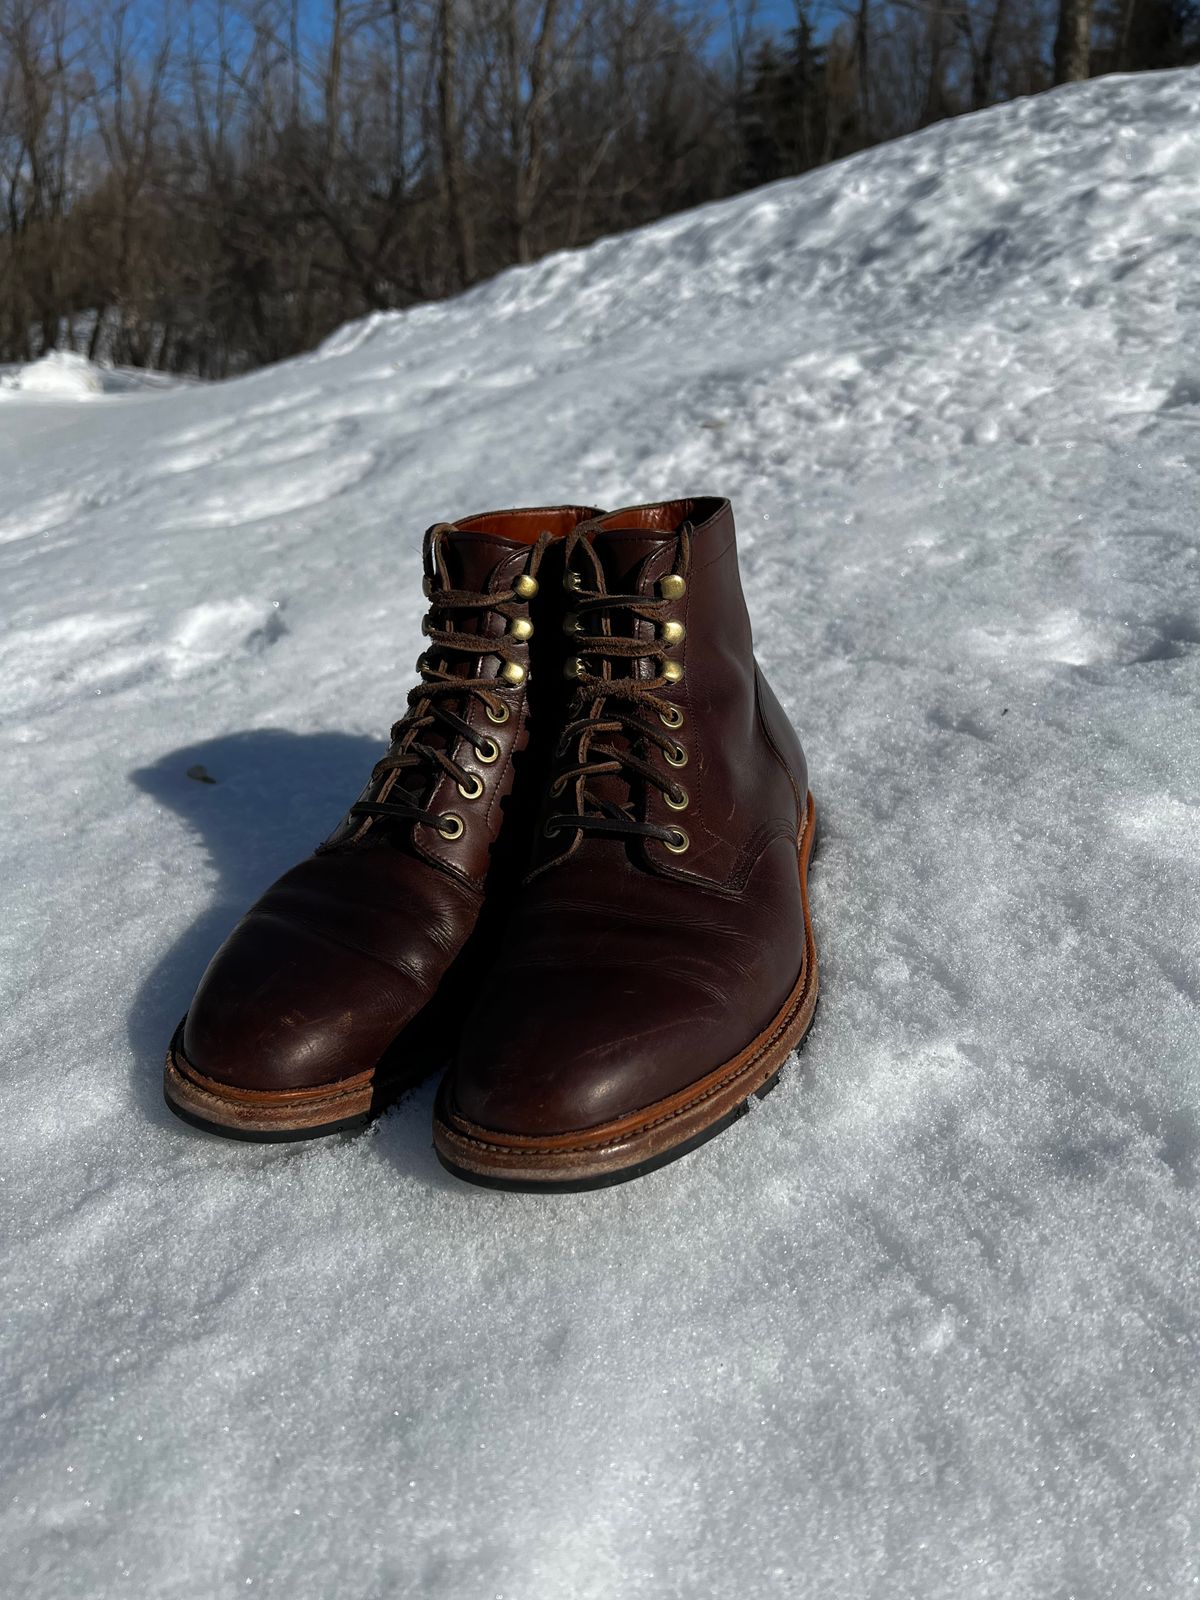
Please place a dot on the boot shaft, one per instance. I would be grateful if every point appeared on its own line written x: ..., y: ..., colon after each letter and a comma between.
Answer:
x: 493, y: 582
x: 736, y: 766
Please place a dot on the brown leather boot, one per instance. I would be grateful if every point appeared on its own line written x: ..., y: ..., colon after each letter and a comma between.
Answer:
x: 343, y: 984
x: 659, y: 967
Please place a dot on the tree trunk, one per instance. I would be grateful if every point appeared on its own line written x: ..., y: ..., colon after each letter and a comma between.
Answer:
x: 862, y: 63
x: 1127, y: 10
x: 333, y: 88
x: 985, y: 70
x: 935, y: 84
x: 530, y: 168
x: 1073, y: 41
x: 450, y: 134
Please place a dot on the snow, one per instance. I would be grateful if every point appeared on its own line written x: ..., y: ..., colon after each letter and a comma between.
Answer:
x: 925, y: 1324
x: 60, y: 373
x: 64, y: 375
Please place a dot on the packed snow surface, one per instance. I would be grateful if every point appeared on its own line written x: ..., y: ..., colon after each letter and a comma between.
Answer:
x: 60, y: 373
x: 64, y: 375
x: 926, y: 1324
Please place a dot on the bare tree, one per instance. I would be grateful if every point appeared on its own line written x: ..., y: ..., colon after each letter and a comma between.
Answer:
x: 1073, y: 41
x: 204, y: 185
x: 981, y: 35
x: 451, y: 138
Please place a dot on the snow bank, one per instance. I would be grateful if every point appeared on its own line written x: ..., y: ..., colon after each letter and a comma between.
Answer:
x: 61, y: 373
x: 927, y: 1322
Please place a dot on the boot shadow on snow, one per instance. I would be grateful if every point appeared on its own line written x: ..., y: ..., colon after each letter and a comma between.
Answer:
x: 259, y: 802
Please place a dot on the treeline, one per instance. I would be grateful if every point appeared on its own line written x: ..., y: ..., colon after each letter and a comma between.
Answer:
x: 206, y: 185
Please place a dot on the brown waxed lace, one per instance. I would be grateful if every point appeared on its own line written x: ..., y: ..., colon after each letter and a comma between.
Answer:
x: 427, y: 702
x: 595, y: 715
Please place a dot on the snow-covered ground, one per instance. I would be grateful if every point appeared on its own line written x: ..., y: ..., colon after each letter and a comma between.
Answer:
x: 65, y: 375
x: 924, y: 1325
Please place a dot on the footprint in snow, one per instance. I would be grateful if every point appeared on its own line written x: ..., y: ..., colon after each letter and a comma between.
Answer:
x: 217, y: 629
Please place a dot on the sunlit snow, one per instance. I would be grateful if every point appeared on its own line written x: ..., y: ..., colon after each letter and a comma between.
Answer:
x: 926, y: 1324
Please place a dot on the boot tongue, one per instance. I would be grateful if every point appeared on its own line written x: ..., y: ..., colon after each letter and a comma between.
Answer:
x: 481, y: 564
x: 471, y: 559
x: 622, y: 553
x: 478, y: 562
x: 629, y: 561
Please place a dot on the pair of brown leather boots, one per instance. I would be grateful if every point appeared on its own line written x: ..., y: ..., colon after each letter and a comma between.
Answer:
x: 579, y: 874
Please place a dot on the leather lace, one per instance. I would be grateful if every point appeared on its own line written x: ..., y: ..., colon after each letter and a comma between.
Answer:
x: 431, y: 703
x: 608, y: 707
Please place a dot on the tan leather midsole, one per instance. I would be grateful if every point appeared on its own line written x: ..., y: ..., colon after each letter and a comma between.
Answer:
x: 264, y: 1110
x: 264, y: 1097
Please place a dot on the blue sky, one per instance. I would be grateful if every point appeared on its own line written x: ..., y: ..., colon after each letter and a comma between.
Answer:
x: 771, y: 16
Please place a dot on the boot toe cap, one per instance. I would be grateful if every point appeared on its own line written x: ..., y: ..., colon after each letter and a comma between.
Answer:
x: 326, y: 972
x: 270, y: 1015
x: 591, y: 1019
x: 574, y: 1062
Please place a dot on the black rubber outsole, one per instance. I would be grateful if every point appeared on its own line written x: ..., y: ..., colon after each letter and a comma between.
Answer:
x: 222, y: 1130
x: 640, y: 1168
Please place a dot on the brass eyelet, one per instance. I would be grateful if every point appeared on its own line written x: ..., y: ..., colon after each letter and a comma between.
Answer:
x: 500, y: 716
x: 572, y: 624
x: 680, y: 804
x: 677, y: 757
x: 672, y: 586
x: 520, y: 628
x: 525, y: 587
x: 575, y: 668
x: 672, y: 672
x: 671, y: 718
x: 572, y: 583
x: 679, y: 844
x: 671, y: 633
x: 475, y: 790
x: 487, y: 752
x: 451, y: 825
x: 512, y: 672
